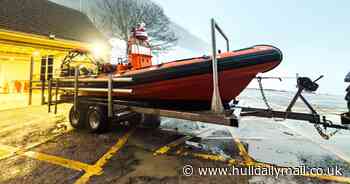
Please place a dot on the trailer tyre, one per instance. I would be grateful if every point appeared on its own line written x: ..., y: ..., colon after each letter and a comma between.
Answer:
x: 150, y: 121
x: 96, y: 120
x: 77, y: 118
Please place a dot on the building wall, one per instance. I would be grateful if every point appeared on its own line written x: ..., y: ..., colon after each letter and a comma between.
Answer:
x: 14, y: 72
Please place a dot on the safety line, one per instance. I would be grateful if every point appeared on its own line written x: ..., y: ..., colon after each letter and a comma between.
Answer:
x: 97, y: 167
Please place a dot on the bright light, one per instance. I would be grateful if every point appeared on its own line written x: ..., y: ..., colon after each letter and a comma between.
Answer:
x: 36, y: 53
x: 98, y: 50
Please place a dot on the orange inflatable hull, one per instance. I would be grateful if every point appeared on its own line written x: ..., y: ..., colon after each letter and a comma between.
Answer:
x: 188, y: 82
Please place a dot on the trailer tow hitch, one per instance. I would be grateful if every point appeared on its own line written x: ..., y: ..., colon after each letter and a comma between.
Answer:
x: 321, y: 123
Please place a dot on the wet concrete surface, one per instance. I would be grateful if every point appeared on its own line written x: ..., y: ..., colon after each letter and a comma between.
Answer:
x: 134, y: 163
x: 26, y: 170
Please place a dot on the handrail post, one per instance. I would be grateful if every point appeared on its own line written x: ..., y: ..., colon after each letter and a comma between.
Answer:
x: 43, y: 78
x: 56, y: 95
x: 216, y: 103
x: 49, y: 94
x: 223, y: 35
x: 76, y: 76
x: 31, y: 68
x: 110, y: 88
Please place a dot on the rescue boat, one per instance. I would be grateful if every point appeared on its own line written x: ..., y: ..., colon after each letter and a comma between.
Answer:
x: 185, y: 83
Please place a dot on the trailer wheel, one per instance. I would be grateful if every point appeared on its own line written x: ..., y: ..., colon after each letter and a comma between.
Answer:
x: 136, y: 119
x: 97, y: 121
x: 150, y: 121
x: 77, y: 118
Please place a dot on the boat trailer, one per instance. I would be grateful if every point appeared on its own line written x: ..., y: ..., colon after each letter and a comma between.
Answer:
x: 321, y: 123
x: 121, y: 110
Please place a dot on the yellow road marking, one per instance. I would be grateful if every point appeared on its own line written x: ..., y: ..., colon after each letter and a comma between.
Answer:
x: 249, y: 161
x: 164, y: 149
x: 71, y: 164
x: 69, y: 129
x: 242, y: 151
x: 15, y: 151
x: 233, y: 162
x: 206, y: 156
x: 90, y: 170
x: 114, y: 149
x: 220, y: 158
x: 96, y: 169
x: 6, y: 151
x: 104, y: 159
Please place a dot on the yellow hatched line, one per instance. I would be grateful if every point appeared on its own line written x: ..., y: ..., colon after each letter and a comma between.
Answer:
x: 71, y: 164
x: 69, y: 129
x: 258, y: 164
x: 97, y: 167
x: 7, y: 151
x: 242, y: 151
x: 249, y: 161
x: 11, y: 151
x: 164, y: 149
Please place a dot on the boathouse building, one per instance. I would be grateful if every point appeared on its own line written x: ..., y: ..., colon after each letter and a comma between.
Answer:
x: 35, y: 30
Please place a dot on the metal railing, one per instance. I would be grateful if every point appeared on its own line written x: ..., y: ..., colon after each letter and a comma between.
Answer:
x: 110, y: 90
x: 76, y: 88
x: 216, y: 103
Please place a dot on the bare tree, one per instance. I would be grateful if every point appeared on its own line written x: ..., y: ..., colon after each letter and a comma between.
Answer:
x: 118, y: 17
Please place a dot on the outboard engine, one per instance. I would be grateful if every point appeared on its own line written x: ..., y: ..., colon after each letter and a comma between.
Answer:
x: 345, y: 117
x: 307, y: 84
x: 347, y: 97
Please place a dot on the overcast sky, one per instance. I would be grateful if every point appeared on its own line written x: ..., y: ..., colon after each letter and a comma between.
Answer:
x: 313, y: 35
